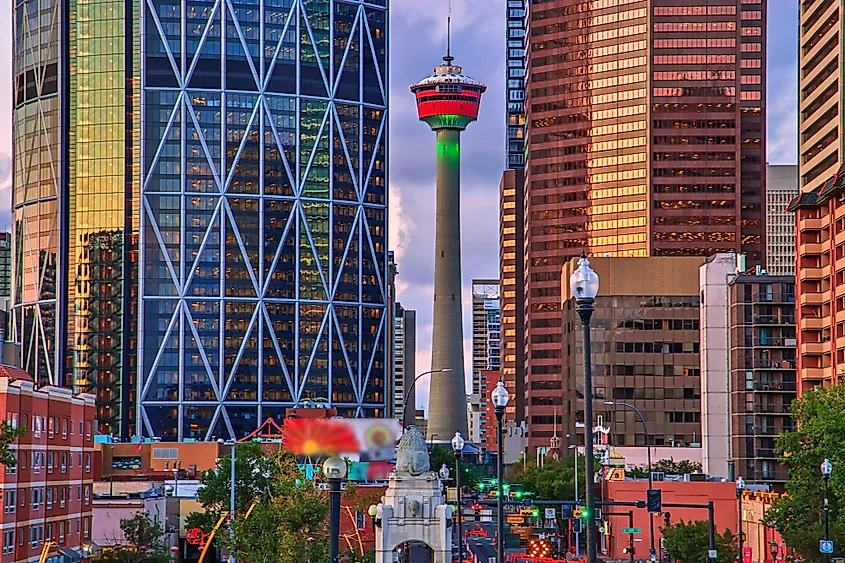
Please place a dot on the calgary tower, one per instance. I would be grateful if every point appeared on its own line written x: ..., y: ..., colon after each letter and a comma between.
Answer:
x: 447, y: 101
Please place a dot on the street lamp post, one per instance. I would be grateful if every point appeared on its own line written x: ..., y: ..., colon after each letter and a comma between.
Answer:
x: 648, y: 456
x: 740, y: 486
x: 411, y: 388
x: 827, y: 469
x: 334, y: 469
x: 458, y: 448
x: 584, y: 283
x: 500, y: 401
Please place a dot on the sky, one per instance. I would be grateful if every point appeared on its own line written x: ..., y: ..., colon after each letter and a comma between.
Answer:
x: 417, y: 38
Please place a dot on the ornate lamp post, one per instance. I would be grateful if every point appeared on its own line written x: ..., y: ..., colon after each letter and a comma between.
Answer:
x: 334, y: 469
x: 827, y: 469
x: 458, y: 448
x: 500, y: 397
x: 584, y: 284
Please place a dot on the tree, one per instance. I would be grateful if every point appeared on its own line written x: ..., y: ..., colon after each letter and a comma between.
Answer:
x: 8, y: 435
x: 798, y: 516
x: 555, y: 480
x: 144, y: 542
x: 667, y: 466
x: 689, y: 542
x: 470, y: 476
x: 287, y: 516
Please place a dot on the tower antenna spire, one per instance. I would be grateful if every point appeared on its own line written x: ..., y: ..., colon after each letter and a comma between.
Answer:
x: 449, y: 58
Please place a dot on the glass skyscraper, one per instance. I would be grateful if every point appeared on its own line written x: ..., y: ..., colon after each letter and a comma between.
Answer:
x: 219, y: 215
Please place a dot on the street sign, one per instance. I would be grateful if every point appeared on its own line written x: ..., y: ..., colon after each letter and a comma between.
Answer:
x: 631, y: 530
x: 712, y: 553
x: 747, y: 555
x: 550, y: 513
x: 826, y: 546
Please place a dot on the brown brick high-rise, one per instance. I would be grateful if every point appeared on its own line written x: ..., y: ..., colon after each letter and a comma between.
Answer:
x: 646, y: 134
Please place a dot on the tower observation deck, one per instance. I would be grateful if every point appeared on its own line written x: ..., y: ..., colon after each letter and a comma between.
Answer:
x: 447, y: 101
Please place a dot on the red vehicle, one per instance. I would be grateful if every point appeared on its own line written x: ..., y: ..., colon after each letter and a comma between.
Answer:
x: 476, y: 531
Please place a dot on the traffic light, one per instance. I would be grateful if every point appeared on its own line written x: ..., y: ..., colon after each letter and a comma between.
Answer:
x: 517, y: 494
x: 577, y: 527
x: 535, y: 513
x: 585, y: 514
x: 654, y: 500
x: 667, y: 519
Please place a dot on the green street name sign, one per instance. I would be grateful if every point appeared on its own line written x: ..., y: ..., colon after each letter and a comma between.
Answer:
x: 631, y: 530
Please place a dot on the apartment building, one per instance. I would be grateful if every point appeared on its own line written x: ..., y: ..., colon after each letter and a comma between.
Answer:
x: 781, y: 189
x: 47, y: 496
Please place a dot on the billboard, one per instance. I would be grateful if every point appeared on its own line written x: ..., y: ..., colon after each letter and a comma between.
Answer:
x: 363, y: 439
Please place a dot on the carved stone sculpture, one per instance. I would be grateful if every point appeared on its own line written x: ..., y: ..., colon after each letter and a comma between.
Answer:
x: 412, y: 456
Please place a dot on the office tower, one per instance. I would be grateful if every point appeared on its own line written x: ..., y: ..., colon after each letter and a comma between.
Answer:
x: 748, y: 369
x: 645, y: 127
x: 5, y: 266
x: 781, y: 188
x: 404, y: 363
x: 75, y: 201
x: 515, y: 81
x: 207, y: 229
x: 448, y: 102
x: 645, y: 352
x: 511, y: 297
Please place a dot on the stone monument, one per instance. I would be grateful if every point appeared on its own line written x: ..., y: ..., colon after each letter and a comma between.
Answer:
x: 413, y: 507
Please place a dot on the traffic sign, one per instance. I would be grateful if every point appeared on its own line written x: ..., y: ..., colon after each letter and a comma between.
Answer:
x: 826, y: 546
x: 550, y: 513
x: 712, y: 553
x: 631, y: 530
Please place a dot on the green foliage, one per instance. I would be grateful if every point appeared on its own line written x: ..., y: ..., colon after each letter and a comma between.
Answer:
x: 8, y: 435
x: 667, y: 466
x: 555, y: 480
x: 689, y: 542
x: 470, y: 475
x: 286, y: 524
x: 798, y: 515
x: 144, y: 542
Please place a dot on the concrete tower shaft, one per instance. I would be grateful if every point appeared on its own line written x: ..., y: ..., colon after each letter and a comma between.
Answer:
x: 448, y: 101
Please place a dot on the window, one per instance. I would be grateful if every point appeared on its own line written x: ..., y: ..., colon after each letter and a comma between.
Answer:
x: 80, y: 427
x: 64, y: 429
x: 85, y: 532
x: 64, y: 462
x: 11, y: 501
x: 50, y: 457
x: 23, y: 497
x: 23, y: 459
x: 50, y: 428
x: 80, y: 460
x: 35, y: 497
x: 8, y: 542
x: 78, y: 493
x: 14, y: 468
x: 87, y: 494
x: 62, y: 498
x: 165, y: 453
x: 49, y: 498
x: 87, y: 463
x: 88, y: 429
x: 49, y: 532
x: 61, y: 532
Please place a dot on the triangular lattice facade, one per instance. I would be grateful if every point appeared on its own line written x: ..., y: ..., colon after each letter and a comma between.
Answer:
x: 263, y: 221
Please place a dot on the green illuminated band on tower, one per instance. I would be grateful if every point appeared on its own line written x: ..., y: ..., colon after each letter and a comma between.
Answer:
x: 447, y: 121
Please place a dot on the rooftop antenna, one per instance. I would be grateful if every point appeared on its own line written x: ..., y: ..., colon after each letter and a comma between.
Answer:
x: 449, y: 58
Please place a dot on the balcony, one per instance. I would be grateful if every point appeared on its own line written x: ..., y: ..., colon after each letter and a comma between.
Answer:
x: 810, y: 274
x: 774, y: 386
x: 765, y: 431
x: 775, y: 342
x: 811, y: 224
x: 808, y: 298
x: 814, y: 348
x: 774, y: 364
x: 814, y: 323
x: 770, y: 408
x: 813, y: 373
x: 786, y: 320
x: 814, y: 247
x: 768, y: 454
x: 773, y: 297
